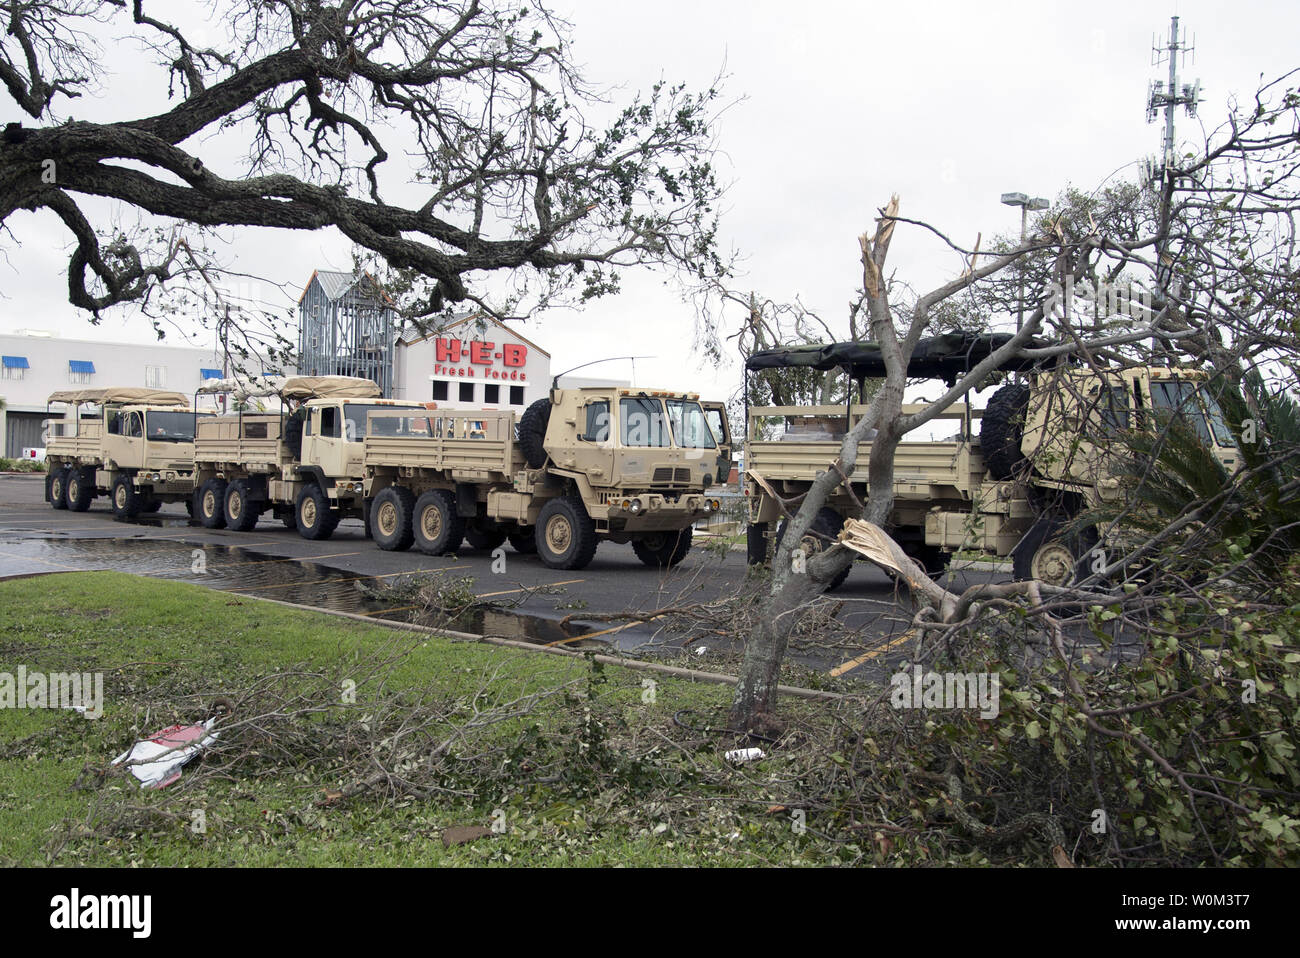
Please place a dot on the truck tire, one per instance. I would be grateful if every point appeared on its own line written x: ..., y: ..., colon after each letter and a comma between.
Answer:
x: 756, y: 543
x: 316, y: 520
x: 532, y: 433
x: 1003, y: 429
x: 1051, y: 556
x: 81, y: 489
x: 827, y: 523
x: 125, y: 501
x: 565, y: 534
x: 210, y: 504
x: 484, y: 534
x: 524, y: 541
x: 240, y: 508
x: 290, y: 519
x: 56, y: 487
x: 438, y: 529
x: 392, y: 519
x: 663, y: 550
x: 151, y: 505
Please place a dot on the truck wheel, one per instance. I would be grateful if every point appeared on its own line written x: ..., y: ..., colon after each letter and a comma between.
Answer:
x: 532, y: 433
x: 241, y: 510
x: 756, y: 543
x: 1002, y: 431
x: 663, y: 549
x: 126, y: 502
x: 56, y: 487
x: 565, y: 534
x: 484, y: 534
x: 81, y: 490
x: 392, y: 519
x: 211, y: 504
x: 827, y: 523
x: 290, y: 519
x: 189, y: 506
x: 524, y: 541
x: 438, y: 530
x: 151, y: 505
x: 1052, y: 556
x: 316, y: 520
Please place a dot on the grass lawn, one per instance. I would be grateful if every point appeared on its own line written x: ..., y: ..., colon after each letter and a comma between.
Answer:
x: 358, y: 745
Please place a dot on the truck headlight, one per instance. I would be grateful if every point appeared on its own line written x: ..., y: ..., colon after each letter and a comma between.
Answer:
x: 635, y: 507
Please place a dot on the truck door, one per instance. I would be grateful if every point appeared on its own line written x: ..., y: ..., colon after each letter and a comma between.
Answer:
x: 595, y: 447
x: 323, y: 443
x: 716, y: 414
x: 124, y: 438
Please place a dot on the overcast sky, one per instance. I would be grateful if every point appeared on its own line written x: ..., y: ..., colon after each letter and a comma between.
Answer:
x: 835, y: 107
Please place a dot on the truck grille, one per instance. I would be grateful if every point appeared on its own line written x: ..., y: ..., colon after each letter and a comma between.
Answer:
x: 667, y: 474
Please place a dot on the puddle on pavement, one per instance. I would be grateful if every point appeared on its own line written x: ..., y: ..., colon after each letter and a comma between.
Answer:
x: 301, y: 581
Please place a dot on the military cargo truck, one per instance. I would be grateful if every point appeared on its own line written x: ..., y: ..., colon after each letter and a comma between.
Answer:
x: 135, y: 445
x: 1041, y: 457
x: 618, y: 464
x: 304, y: 463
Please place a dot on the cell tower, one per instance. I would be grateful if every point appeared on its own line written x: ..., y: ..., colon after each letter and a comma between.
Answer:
x: 1170, y: 99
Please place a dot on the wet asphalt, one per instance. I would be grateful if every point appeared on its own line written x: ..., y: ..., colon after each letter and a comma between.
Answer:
x: 344, y: 572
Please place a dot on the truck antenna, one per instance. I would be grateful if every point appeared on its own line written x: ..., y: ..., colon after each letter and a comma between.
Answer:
x: 555, y: 381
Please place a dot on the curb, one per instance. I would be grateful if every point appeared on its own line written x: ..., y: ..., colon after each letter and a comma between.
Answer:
x: 716, y: 678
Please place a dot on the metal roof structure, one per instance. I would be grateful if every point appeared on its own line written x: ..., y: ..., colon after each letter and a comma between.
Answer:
x: 346, y: 328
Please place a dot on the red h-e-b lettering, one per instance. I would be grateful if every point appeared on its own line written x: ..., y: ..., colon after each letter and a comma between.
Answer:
x: 448, y: 350
x: 480, y: 353
x: 512, y: 354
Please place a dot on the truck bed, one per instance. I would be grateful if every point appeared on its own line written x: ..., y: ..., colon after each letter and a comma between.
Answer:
x: 252, y: 441
x: 85, y: 445
x: 812, y: 442
x: 460, y: 445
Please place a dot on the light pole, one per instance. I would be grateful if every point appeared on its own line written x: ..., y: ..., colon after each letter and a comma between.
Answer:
x: 1026, y: 203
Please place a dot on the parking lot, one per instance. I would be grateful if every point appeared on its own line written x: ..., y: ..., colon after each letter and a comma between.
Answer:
x: 344, y: 571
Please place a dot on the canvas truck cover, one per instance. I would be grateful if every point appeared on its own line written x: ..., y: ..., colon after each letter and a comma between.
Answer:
x: 138, y: 395
x: 244, y: 387
x: 945, y: 356
x: 295, y: 387
x: 329, y: 387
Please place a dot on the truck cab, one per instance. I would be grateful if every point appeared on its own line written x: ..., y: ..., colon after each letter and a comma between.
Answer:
x: 134, y: 444
x: 633, y: 440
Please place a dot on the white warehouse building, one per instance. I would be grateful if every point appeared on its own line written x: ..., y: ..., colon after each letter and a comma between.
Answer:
x: 35, y: 363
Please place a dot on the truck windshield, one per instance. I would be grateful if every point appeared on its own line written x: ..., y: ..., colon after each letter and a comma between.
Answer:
x: 1222, y: 434
x: 690, y: 427
x: 169, y: 426
x: 643, y: 423
x: 1192, y: 404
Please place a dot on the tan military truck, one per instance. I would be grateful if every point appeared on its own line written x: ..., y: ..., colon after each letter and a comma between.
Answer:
x: 1040, y: 458
x: 619, y: 464
x: 304, y: 463
x: 133, y: 444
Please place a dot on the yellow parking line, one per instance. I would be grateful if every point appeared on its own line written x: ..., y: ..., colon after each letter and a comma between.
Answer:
x: 400, y: 608
x: 525, y: 588
x: 331, y: 555
x: 868, y: 656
